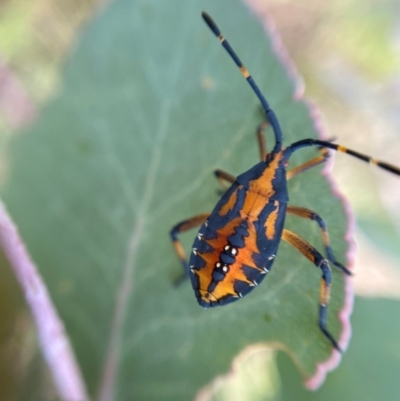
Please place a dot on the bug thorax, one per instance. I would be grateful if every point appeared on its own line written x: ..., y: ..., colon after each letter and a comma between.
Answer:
x: 267, y: 178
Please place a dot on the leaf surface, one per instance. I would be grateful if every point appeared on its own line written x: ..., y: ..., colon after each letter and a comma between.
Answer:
x: 150, y: 106
x: 376, y: 338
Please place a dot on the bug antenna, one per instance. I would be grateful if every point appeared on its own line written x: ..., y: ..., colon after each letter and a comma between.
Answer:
x: 339, y: 148
x: 271, y: 117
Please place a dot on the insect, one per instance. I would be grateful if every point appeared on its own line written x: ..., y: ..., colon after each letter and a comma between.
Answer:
x: 238, y: 241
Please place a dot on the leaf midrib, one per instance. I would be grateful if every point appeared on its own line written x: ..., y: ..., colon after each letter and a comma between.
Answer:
x: 125, y: 289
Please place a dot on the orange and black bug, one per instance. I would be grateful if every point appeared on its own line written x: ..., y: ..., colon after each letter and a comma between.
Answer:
x: 238, y: 241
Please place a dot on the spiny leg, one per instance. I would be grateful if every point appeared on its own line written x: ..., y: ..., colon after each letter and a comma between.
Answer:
x: 315, y: 257
x: 339, y: 148
x: 179, y: 228
x: 309, y: 214
x: 322, y: 158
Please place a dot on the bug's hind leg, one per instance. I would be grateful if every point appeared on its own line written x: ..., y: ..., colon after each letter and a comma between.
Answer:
x: 315, y: 257
x: 309, y: 214
x: 179, y: 228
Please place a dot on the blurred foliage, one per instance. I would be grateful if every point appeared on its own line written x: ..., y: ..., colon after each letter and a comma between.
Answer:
x: 35, y: 37
x: 23, y: 373
x: 363, y: 32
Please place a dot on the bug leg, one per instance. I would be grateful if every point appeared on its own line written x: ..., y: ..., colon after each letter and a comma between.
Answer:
x: 315, y: 257
x: 309, y: 214
x: 322, y: 158
x: 179, y: 228
x: 223, y: 177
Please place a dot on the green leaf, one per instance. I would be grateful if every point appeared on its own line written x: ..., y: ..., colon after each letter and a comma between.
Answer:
x: 150, y: 106
x: 370, y: 368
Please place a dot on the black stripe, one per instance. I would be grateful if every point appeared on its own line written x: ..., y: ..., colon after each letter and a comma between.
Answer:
x: 210, y: 22
x: 389, y: 167
x: 358, y: 155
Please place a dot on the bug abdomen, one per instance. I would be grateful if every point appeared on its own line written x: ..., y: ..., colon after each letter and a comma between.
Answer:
x: 227, y: 263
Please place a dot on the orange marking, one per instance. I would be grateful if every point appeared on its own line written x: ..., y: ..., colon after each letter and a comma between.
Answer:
x: 299, y: 243
x: 236, y: 272
x: 341, y: 148
x: 179, y: 250
x: 206, y: 296
x: 253, y: 205
x: 325, y: 293
x: 244, y: 71
x: 271, y: 220
x: 244, y: 257
x: 211, y: 258
x: 325, y: 238
x: 263, y: 184
x: 229, y: 205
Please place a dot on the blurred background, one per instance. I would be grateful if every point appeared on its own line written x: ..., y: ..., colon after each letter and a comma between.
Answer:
x: 348, y: 53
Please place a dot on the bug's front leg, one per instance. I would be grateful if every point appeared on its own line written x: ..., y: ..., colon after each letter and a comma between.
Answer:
x: 315, y: 257
x: 223, y: 177
x: 179, y: 228
x: 322, y: 158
